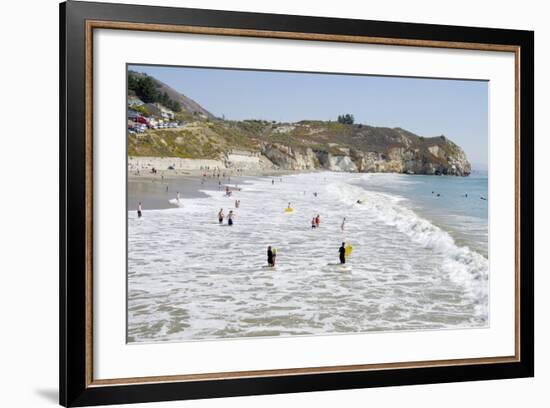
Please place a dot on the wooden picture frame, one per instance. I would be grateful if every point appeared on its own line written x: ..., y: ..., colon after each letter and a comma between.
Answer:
x: 78, y: 20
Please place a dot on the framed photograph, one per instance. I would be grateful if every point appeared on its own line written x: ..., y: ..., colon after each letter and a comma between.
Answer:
x: 257, y: 204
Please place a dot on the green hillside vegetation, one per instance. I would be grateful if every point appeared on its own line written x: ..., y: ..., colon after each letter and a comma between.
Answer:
x: 208, y: 139
x: 147, y: 89
x: 151, y: 90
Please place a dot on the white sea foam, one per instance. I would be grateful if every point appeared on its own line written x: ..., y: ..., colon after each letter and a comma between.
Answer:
x: 462, y: 265
x: 190, y: 278
x: 175, y: 202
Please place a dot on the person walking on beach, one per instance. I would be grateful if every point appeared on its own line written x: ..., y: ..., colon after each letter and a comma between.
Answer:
x: 343, y: 224
x: 270, y: 256
x: 139, y: 210
x: 342, y: 252
x: 318, y: 221
x: 230, y: 218
x: 220, y: 216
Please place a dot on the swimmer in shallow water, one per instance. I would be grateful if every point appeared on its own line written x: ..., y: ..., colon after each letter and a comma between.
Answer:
x: 270, y: 256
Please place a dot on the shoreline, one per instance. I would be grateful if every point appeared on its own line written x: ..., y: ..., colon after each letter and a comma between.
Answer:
x: 154, y: 191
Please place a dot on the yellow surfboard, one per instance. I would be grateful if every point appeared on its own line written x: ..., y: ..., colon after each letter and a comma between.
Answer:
x: 349, y: 249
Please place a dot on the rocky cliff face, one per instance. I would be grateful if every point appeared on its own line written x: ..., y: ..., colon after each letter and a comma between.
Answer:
x: 431, y: 160
x: 305, y: 146
x: 358, y: 148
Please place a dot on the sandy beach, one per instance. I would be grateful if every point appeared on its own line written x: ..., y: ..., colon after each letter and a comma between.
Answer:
x: 188, y: 177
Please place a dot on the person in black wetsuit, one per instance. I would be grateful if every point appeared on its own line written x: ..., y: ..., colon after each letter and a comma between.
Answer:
x: 269, y: 256
x: 342, y: 252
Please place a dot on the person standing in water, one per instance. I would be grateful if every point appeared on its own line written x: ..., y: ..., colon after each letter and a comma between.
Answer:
x: 230, y: 218
x: 178, y: 196
x: 342, y: 252
x: 139, y: 210
x: 313, y: 225
x: 343, y: 224
x: 274, y: 255
x: 220, y: 216
x: 269, y: 256
x: 318, y: 221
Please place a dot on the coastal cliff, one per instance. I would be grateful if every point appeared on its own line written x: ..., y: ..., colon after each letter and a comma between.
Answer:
x: 304, y: 146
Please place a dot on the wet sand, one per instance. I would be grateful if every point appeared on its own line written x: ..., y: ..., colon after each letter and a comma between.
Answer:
x: 155, y: 190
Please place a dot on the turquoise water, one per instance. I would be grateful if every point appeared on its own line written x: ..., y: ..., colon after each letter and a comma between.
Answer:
x: 452, y: 203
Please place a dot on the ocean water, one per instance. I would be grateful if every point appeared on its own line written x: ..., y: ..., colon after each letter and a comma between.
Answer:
x: 419, y: 260
x: 453, y: 203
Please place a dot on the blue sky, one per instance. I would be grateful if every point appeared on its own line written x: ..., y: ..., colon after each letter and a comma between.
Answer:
x: 457, y: 109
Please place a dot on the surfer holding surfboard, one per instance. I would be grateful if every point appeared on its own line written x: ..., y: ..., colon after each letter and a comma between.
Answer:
x: 289, y: 209
x: 344, y: 251
x: 271, y: 256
